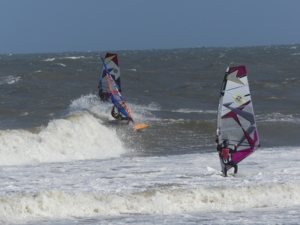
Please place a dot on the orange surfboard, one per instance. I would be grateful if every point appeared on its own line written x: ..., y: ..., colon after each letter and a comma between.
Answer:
x: 140, y: 126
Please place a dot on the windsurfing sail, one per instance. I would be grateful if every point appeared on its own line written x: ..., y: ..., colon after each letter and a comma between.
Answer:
x: 117, y: 99
x: 115, y: 95
x: 112, y: 66
x: 236, y: 119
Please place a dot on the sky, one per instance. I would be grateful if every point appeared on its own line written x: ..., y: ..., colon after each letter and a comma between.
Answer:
x: 43, y: 26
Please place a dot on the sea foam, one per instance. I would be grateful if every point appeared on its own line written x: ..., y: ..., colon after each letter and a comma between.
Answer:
x: 77, y: 137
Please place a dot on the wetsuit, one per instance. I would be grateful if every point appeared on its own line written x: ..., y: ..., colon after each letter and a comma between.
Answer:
x: 225, y: 155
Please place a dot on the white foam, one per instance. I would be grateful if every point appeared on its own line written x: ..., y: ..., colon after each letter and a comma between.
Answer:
x: 49, y: 60
x: 9, y: 79
x: 69, y: 57
x: 154, y: 185
x: 131, y: 70
x: 61, y: 64
x: 195, y: 111
x: 74, y: 57
x: 55, y: 204
x: 91, y: 103
x: 78, y: 137
x: 278, y: 117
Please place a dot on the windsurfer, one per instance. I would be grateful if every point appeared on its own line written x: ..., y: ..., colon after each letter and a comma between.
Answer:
x: 225, y: 155
x: 118, y: 116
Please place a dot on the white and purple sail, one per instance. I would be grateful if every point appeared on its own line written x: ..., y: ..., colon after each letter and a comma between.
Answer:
x: 236, y: 119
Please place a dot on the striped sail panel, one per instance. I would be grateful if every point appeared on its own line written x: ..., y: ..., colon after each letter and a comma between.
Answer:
x: 112, y: 65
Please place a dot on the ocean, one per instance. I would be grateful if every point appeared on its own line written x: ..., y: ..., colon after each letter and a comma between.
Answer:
x: 65, y: 160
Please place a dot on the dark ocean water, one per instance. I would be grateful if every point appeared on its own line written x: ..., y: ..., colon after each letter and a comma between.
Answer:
x: 176, y: 89
x: 65, y: 160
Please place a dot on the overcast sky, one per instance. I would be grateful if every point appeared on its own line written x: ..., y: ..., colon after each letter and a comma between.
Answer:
x: 39, y: 26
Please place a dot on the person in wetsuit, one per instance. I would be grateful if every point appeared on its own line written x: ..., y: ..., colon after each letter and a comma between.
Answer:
x: 225, y: 155
x: 118, y: 116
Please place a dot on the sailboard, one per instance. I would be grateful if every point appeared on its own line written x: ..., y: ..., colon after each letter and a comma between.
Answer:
x: 140, y: 126
x: 236, y: 120
x: 112, y: 66
x: 117, y: 99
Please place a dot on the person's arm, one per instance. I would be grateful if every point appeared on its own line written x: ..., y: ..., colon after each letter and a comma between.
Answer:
x: 113, y: 112
x: 219, y: 147
x: 233, y: 150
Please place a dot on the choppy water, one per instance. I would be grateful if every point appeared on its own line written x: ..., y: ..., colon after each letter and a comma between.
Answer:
x: 65, y: 160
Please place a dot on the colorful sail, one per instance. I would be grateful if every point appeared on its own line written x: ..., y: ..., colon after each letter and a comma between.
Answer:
x: 112, y: 66
x: 115, y: 95
x: 236, y: 119
x: 114, y: 91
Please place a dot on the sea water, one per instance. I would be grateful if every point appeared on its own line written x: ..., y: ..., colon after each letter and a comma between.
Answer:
x: 65, y: 160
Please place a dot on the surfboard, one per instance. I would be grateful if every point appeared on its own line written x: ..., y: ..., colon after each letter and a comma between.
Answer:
x: 236, y: 119
x: 140, y: 126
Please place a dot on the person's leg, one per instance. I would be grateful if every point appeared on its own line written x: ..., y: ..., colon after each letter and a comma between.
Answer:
x: 234, y: 165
